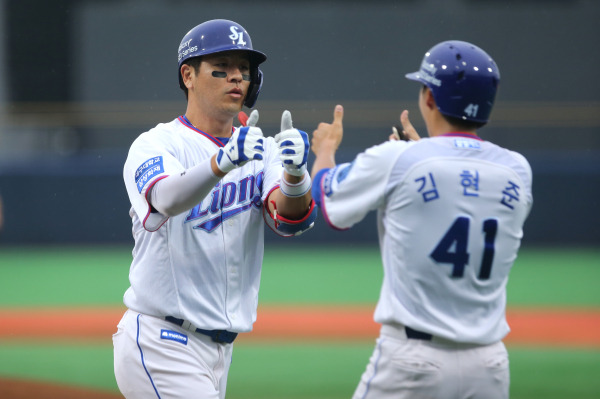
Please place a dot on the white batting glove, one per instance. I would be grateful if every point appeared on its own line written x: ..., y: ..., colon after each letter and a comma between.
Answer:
x: 245, y: 145
x: 293, y: 146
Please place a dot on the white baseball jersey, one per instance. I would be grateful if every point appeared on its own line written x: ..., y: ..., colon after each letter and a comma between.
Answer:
x: 450, y: 212
x: 204, y: 265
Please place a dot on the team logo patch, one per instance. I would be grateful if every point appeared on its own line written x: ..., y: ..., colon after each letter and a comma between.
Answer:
x: 146, y: 171
x: 174, y: 336
x: 327, y: 182
x: 335, y: 175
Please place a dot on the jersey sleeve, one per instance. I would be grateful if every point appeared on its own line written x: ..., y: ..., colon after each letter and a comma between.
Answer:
x: 349, y: 191
x: 149, y: 160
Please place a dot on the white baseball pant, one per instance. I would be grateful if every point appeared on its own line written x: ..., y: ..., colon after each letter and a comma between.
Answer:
x: 403, y: 367
x: 154, y: 358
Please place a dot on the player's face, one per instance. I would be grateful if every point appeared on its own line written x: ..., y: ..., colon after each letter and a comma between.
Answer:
x: 222, y: 81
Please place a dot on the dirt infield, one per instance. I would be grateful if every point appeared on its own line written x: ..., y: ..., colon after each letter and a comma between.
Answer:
x: 570, y: 328
x: 538, y: 327
x: 24, y: 389
x: 530, y: 326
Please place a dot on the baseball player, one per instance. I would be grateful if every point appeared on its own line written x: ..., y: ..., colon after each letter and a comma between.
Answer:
x: 450, y: 215
x: 201, y: 191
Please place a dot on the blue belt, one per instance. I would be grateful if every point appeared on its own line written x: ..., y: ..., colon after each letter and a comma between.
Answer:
x: 219, y: 336
x: 414, y: 334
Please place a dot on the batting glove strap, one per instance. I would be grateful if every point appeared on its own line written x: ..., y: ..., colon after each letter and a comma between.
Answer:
x: 246, y: 144
x: 224, y: 162
x: 293, y: 150
x: 295, y: 190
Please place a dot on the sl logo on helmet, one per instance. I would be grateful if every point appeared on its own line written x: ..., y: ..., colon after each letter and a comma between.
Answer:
x: 239, y: 36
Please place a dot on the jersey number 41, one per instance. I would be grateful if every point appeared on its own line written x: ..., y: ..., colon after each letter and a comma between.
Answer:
x: 452, y: 248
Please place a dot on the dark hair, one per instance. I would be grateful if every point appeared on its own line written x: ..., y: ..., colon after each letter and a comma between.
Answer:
x: 462, y: 124
x: 194, y: 63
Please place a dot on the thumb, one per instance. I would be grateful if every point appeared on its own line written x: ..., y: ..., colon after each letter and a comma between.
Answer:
x: 407, y: 127
x: 286, y: 120
x: 338, y: 114
x: 253, y: 118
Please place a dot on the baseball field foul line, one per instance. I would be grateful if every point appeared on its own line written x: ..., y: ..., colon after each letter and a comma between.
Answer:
x: 530, y: 326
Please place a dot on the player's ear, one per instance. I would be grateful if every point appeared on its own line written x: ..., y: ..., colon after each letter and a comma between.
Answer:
x: 187, y: 73
x: 428, y: 97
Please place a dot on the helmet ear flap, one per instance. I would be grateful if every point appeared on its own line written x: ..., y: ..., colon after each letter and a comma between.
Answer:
x: 256, y: 81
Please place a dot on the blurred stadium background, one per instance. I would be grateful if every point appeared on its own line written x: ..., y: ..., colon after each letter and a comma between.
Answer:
x: 80, y: 79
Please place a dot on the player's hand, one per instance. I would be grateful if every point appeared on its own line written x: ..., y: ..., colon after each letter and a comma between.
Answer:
x: 406, y: 132
x: 293, y: 146
x: 328, y: 136
x: 245, y: 145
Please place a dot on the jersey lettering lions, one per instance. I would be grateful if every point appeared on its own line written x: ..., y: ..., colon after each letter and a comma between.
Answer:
x: 450, y: 211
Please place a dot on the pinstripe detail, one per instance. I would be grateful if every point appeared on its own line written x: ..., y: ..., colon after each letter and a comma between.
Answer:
x: 374, y: 369
x: 137, y: 340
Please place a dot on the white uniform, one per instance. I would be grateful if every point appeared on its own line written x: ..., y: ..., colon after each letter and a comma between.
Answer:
x: 200, y: 268
x: 450, y: 212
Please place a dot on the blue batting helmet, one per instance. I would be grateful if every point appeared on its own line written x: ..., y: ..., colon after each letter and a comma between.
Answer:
x: 216, y: 36
x: 463, y: 79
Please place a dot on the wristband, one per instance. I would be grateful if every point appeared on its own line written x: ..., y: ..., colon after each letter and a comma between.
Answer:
x: 295, y: 190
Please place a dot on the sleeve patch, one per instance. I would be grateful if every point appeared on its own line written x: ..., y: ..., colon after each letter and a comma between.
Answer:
x: 327, y: 182
x: 149, y: 169
x: 340, y: 172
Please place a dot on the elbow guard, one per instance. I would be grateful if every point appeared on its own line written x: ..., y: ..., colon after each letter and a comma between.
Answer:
x: 289, y: 228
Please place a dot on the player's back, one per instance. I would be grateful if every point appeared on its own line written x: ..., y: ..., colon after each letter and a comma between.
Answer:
x: 450, y: 230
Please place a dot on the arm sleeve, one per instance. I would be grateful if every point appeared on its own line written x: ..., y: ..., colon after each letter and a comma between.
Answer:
x: 179, y: 193
x: 151, y: 159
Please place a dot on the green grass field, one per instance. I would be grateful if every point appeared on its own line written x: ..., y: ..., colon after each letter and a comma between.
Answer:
x: 295, y: 370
